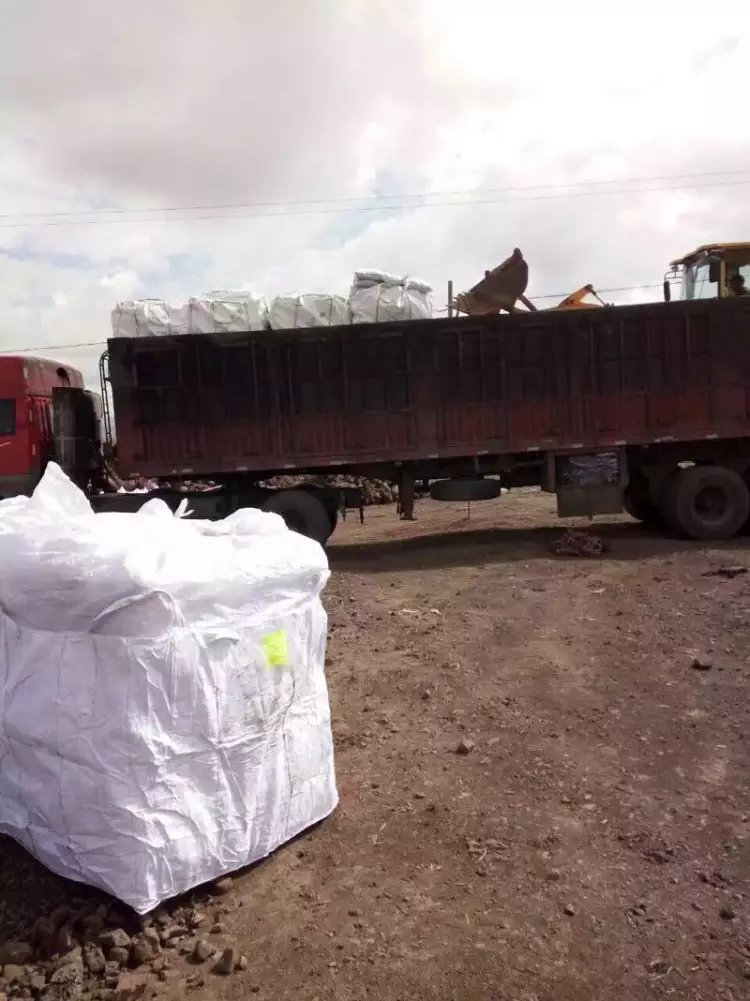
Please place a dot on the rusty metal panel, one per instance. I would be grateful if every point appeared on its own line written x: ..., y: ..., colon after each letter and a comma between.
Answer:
x: 675, y: 371
x: 541, y: 398
x: 200, y: 405
x: 468, y: 379
x: 346, y: 396
x: 504, y: 386
x: 446, y: 387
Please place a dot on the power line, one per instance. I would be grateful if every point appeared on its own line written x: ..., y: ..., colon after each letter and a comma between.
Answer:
x: 93, y: 344
x: 373, y: 208
x: 52, y: 347
x: 373, y: 198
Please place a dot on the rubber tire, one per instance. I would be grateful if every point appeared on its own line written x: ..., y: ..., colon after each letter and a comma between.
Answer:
x: 303, y: 512
x: 638, y: 504
x: 678, y: 503
x: 468, y: 489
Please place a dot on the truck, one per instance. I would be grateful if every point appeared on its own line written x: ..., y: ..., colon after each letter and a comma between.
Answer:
x: 26, y: 435
x: 643, y: 408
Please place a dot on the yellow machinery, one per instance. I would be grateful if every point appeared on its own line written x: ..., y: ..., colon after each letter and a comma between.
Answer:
x: 504, y: 287
x: 576, y: 299
x: 713, y: 271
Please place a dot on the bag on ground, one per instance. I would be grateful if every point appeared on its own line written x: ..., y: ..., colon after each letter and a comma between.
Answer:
x: 164, y: 716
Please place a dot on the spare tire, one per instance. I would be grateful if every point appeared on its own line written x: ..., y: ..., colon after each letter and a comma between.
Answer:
x: 707, y: 502
x: 465, y: 489
x: 303, y: 512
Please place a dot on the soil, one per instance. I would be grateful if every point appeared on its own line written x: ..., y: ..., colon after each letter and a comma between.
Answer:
x: 543, y: 766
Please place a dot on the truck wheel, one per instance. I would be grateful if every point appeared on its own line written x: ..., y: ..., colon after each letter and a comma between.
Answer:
x: 707, y: 502
x: 637, y: 502
x: 303, y: 513
x: 465, y: 489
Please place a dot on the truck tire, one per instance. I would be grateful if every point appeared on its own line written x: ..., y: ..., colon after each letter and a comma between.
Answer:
x: 638, y: 504
x: 465, y: 489
x: 707, y: 502
x: 303, y: 513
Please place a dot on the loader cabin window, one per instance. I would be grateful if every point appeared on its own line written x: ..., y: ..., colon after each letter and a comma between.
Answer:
x: 702, y: 280
x: 738, y: 281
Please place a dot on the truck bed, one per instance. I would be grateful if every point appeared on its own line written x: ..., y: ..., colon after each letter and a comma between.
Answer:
x: 357, y: 396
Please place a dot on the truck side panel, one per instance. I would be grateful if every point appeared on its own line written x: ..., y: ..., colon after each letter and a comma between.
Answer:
x: 447, y: 387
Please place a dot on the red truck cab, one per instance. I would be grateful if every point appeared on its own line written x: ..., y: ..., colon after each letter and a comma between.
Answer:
x: 26, y: 442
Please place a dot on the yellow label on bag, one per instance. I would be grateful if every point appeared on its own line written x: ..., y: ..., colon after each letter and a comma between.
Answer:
x: 275, y: 648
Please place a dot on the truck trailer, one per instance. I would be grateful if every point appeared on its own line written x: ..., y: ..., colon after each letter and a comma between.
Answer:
x: 643, y: 408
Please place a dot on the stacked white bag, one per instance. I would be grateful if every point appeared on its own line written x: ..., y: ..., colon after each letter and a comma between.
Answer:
x: 214, y: 313
x: 150, y: 318
x: 375, y: 297
x: 164, y: 716
x: 378, y: 297
x: 228, y: 312
x: 312, y: 310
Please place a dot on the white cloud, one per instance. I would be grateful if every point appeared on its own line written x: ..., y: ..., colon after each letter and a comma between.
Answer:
x: 178, y: 102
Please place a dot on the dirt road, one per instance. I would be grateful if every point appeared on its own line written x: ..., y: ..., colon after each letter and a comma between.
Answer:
x: 592, y: 841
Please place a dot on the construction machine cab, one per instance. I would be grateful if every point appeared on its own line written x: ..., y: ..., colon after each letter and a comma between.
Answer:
x: 713, y: 271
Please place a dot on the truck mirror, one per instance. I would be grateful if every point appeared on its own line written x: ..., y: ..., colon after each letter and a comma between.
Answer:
x: 667, y: 290
x: 714, y: 272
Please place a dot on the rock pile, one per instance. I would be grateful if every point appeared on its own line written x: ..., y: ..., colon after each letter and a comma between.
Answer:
x: 94, y: 950
x: 373, y: 491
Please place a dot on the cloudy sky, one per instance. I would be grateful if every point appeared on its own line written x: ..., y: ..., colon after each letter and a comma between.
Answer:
x: 170, y: 147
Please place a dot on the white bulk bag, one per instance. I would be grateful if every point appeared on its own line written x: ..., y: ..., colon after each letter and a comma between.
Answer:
x: 215, y: 313
x: 164, y: 717
x: 379, y: 297
x: 369, y: 277
x: 226, y: 312
x: 150, y: 318
x: 288, y: 312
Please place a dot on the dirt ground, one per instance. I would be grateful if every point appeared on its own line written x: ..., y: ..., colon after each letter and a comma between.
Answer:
x: 593, y: 841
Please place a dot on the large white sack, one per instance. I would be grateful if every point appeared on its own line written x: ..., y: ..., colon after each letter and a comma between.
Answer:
x: 224, y: 312
x: 164, y: 716
x: 370, y: 276
x: 288, y: 312
x: 215, y: 313
x: 150, y: 318
x: 379, y: 297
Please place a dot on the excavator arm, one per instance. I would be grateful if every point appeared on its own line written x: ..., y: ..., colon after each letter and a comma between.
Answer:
x: 575, y: 299
x: 505, y: 286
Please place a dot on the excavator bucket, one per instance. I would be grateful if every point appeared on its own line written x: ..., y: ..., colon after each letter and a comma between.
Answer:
x: 500, y: 288
x: 504, y: 288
